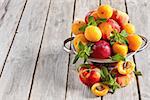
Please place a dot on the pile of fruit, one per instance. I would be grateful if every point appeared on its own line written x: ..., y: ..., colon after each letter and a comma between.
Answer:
x: 106, y: 33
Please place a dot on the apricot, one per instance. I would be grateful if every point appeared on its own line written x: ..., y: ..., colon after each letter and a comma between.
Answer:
x: 121, y: 49
x: 129, y: 28
x: 93, y: 33
x: 125, y: 69
x: 106, y: 30
x: 77, y: 39
x: 105, y: 11
x: 120, y: 17
x: 134, y: 41
x: 124, y: 80
x: 76, y: 26
x: 99, y: 89
x: 95, y: 15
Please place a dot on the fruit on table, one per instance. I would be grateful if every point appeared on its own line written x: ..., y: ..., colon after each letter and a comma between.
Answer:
x: 134, y: 41
x: 101, y: 49
x: 106, y: 30
x: 89, y: 75
x: 121, y: 49
x: 129, y: 28
x: 120, y: 17
x: 114, y: 24
x: 99, y: 89
x: 76, y: 27
x: 122, y: 80
x: 93, y: 33
x: 105, y: 11
x: 77, y: 39
x: 125, y: 68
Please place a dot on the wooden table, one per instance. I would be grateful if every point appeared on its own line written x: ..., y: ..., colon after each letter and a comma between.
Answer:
x: 33, y: 65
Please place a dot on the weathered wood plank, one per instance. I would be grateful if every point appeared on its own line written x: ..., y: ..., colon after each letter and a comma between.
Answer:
x: 51, y: 75
x: 16, y: 79
x: 140, y: 16
x: 130, y: 92
x: 76, y: 90
x: 10, y: 13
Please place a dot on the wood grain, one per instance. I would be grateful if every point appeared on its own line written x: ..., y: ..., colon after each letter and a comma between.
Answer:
x: 10, y: 14
x: 51, y: 74
x: 16, y: 79
x: 76, y: 90
x: 140, y: 16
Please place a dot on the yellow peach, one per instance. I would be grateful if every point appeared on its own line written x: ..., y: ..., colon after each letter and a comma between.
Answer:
x: 93, y: 33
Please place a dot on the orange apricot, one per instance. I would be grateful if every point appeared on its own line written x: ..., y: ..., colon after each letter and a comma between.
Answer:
x: 93, y: 33
x: 105, y: 11
x: 106, y: 30
x: 129, y: 28
x: 77, y: 39
x: 76, y: 26
x: 134, y: 41
x: 95, y: 15
x: 121, y: 49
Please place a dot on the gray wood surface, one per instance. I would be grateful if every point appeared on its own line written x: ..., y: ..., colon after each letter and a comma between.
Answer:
x: 51, y: 74
x: 10, y: 14
x: 16, y: 79
x: 139, y: 12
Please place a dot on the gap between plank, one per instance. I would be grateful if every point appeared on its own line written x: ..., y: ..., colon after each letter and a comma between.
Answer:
x: 137, y: 80
x: 32, y: 82
x: 13, y: 38
x: 69, y: 59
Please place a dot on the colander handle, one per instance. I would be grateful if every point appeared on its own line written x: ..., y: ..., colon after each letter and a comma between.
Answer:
x: 145, y: 43
x: 65, y: 47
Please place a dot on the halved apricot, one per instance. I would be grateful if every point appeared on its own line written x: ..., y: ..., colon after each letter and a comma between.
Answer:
x: 99, y: 89
x: 125, y: 67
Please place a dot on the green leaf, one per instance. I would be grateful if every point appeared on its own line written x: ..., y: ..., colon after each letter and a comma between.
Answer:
x: 83, y: 28
x: 118, y: 57
x: 98, y: 21
x: 119, y: 37
x: 138, y: 73
x: 85, y: 65
x: 80, y: 45
x: 91, y: 21
x: 123, y: 33
x: 84, y: 52
x: 75, y: 59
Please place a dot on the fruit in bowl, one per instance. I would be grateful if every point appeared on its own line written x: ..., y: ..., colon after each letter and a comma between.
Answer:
x: 101, y: 49
x: 105, y: 35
